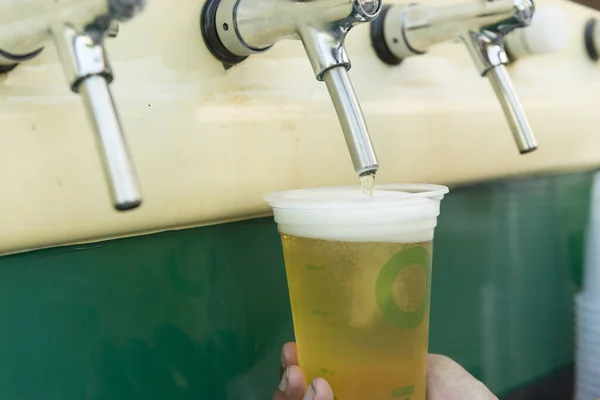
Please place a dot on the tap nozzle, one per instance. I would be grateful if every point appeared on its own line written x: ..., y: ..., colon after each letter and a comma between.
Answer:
x: 352, y: 120
x: 78, y: 28
x: 515, y: 115
x: 406, y: 31
x: 89, y: 74
x: 236, y: 29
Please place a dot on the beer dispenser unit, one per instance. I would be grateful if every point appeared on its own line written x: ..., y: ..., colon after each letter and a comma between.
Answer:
x: 78, y: 28
x: 409, y: 30
x: 236, y: 29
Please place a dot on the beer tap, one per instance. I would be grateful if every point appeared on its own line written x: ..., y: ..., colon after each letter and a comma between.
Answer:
x: 78, y: 28
x: 236, y: 29
x: 408, y: 30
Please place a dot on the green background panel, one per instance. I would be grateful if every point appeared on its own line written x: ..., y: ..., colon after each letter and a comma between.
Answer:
x: 202, y: 313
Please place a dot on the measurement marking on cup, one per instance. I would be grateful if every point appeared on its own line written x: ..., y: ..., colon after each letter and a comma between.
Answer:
x: 404, y: 391
x: 315, y: 267
x: 327, y: 372
x: 320, y: 313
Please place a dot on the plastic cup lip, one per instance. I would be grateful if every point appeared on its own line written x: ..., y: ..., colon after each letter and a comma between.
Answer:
x: 317, y: 199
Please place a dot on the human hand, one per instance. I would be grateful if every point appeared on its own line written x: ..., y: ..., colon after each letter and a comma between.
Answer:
x: 293, y: 382
x: 446, y: 380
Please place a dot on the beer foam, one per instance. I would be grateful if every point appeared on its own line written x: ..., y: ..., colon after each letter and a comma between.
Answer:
x: 396, y: 213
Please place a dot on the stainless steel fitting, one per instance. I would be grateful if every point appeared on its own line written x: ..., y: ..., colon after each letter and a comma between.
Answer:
x: 409, y: 30
x: 78, y: 27
x: 236, y: 29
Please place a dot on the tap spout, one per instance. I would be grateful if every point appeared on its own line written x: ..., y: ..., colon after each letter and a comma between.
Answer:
x: 78, y: 28
x: 406, y: 31
x: 89, y: 74
x: 513, y: 110
x: 235, y: 29
x: 352, y: 120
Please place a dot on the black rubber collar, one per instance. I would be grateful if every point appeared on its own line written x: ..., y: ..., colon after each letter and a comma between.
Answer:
x: 378, y: 39
x: 590, y: 42
x: 17, y: 59
x: 208, y: 26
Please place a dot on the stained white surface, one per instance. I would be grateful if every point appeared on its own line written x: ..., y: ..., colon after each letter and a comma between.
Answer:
x: 208, y: 143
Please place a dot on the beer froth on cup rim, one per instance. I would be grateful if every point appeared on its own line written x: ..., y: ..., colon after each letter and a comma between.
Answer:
x: 395, y: 213
x: 350, y: 197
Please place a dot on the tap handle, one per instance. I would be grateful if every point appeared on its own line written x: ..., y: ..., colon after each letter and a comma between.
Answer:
x: 513, y: 110
x: 89, y: 74
x: 102, y: 113
x: 547, y: 34
x: 352, y: 120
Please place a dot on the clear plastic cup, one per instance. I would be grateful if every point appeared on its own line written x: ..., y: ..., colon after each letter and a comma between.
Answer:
x: 583, y: 393
x: 589, y: 380
x: 587, y: 347
x: 588, y: 342
x: 590, y: 360
x: 586, y: 306
x: 359, y: 278
x: 589, y: 322
x: 587, y: 328
x: 593, y: 393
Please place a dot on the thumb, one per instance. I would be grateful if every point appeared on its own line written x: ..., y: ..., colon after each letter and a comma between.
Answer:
x: 319, y: 389
x: 446, y: 380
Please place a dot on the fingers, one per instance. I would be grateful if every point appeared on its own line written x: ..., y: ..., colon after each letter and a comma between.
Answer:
x: 289, y: 356
x: 292, y: 386
x: 446, y: 380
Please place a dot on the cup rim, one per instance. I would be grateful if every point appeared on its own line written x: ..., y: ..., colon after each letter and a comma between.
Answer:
x: 309, y: 198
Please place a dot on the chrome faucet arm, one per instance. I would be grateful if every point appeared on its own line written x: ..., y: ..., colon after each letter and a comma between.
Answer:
x: 89, y: 74
x: 406, y: 31
x: 236, y: 29
x: 78, y: 27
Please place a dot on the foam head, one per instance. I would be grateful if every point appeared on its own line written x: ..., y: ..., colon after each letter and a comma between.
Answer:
x: 396, y: 213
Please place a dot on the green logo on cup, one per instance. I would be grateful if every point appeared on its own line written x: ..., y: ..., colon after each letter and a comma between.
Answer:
x: 385, y: 284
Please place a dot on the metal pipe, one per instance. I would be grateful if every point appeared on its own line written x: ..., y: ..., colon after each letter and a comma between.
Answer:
x: 406, y: 31
x: 352, y: 120
x: 264, y: 22
x: 425, y: 26
x: 78, y: 28
x: 89, y: 73
x: 513, y: 110
x: 118, y: 168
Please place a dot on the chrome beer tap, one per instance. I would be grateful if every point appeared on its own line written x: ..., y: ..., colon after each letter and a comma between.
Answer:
x: 236, y: 29
x: 78, y: 28
x: 408, y: 30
